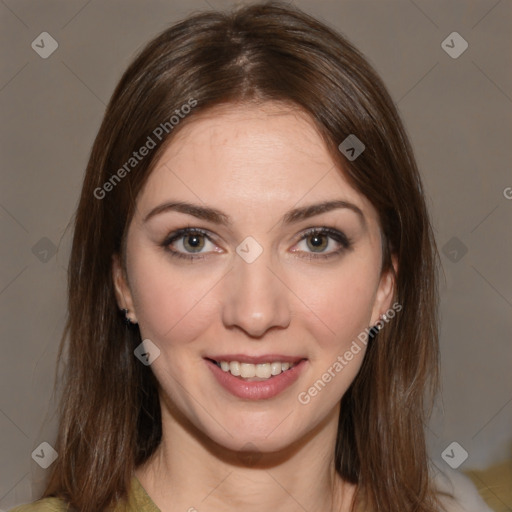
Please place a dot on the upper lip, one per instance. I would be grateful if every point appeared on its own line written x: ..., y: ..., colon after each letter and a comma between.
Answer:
x: 265, y: 358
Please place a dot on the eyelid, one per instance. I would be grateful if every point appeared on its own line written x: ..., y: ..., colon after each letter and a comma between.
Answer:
x: 336, y: 234
x: 179, y: 233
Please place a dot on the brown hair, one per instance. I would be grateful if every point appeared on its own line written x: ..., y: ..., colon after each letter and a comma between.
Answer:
x: 109, y: 413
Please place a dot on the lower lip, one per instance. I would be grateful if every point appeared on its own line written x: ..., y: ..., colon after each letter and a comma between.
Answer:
x: 256, y: 390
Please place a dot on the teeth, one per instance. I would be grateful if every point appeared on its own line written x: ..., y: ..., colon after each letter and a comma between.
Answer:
x: 248, y: 370
x: 263, y: 371
x: 234, y: 368
x: 275, y: 368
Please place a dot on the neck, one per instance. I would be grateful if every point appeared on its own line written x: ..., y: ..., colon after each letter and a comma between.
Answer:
x: 190, y: 472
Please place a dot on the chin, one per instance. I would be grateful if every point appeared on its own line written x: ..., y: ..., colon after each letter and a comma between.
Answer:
x: 268, y: 431
x: 255, y: 442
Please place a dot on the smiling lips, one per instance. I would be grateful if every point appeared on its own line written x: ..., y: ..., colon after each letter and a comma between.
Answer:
x: 255, y: 378
x: 261, y: 367
x: 248, y: 370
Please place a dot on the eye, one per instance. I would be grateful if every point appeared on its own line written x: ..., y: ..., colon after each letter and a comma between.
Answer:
x: 316, y: 242
x: 188, y: 242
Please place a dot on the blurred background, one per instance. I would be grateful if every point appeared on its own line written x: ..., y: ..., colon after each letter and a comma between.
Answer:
x: 448, y: 67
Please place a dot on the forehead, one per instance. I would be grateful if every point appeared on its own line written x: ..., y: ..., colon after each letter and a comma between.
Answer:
x: 255, y: 156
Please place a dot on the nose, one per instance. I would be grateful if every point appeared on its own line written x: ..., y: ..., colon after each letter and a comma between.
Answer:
x: 255, y: 298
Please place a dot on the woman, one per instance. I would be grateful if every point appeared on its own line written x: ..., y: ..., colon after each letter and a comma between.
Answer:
x: 253, y: 207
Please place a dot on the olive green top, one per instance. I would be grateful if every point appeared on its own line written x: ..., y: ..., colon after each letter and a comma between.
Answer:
x: 497, y: 479
x: 138, y: 501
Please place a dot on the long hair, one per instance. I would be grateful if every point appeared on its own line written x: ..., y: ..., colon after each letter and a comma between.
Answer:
x: 110, y: 418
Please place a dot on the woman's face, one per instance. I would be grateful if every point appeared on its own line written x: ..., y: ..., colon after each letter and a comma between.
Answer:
x: 250, y: 283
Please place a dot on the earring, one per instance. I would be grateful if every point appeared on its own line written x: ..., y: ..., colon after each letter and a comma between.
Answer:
x: 374, y: 330
x: 127, y: 320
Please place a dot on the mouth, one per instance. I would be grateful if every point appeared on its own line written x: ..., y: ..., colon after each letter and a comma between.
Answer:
x: 255, y: 372
x: 256, y: 378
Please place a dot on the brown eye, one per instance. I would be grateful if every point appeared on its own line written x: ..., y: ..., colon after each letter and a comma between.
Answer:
x: 317, y: 242
x: 323, y: 243
x: 193, y: 242
x: 189, y: 243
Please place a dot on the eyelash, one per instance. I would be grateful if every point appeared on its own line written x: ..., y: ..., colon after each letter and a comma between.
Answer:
x: 338, y: 236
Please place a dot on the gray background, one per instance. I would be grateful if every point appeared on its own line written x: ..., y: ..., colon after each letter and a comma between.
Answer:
x: 458, y: 113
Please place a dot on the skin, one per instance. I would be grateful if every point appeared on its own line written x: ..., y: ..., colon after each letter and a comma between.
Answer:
x: 254, y: 163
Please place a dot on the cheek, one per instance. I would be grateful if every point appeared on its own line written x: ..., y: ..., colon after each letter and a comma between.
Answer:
x: 337, y: 306
x: 173, y: 306
x: 336, y: 312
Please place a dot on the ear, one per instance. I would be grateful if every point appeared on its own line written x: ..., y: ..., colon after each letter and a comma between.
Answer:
x: 121, y: 288
x: 385, y: 292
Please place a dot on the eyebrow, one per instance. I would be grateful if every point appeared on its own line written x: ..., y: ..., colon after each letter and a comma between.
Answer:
x: 218, y: 217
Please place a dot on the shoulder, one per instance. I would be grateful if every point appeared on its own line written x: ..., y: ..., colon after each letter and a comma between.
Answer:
x: 43, y: 505
x: 138, y: 501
